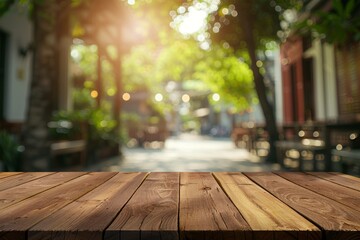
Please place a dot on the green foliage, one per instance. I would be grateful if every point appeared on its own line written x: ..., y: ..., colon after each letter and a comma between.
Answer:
x: 155, y: 15
x: 71, y: 116
x: 85, y: 58
x: 176, y: 62
x: 131, y: 119
x: 82, y: 99
x: 100, y: 122
x: 195, y: 85
x: 138, y: 68
x: 5, y: 5
x: 102, y: 126
x: 8, y: 151
x: 197, y: 70
x: 227, y: 75
x: 85, y: 67
x: 228, y: 18
x: 67, y: 125
x: 130, y: 122
x: 148, y: 68
x: 340, y: 26
x: 190, y: 123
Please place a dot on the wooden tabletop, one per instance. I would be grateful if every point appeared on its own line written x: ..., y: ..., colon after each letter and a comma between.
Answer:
x: 167, y: 206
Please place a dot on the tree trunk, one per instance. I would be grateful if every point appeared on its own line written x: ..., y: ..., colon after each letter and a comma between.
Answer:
x: 99, y: 80
x: 119, y: 91
x: 260, y: 87
x: 44, y: 83
x: 119, y: 88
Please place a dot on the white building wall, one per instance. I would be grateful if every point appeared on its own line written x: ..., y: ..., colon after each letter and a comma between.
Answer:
x: 330, y: 82
x: 320, y: 106
x: 19, y: 28
x: 279, y: 111
x: 326, y: 104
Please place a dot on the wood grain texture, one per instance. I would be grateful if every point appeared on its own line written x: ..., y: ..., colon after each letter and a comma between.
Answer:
x: 339, y: 178
x: 18, y: 179
x: 343, y: 195
x: 16, y: 194
x: 330, y: 215
x: 152, y: 212
x: 25, y: 214
x: 8, y: 174
x: 250, y: 206
x: 87, y: 217
x: 206, y: 212
x: 263, y: 212
x: 346, y: 176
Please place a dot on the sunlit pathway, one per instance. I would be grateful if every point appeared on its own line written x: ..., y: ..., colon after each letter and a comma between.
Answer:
x: 187, y: 153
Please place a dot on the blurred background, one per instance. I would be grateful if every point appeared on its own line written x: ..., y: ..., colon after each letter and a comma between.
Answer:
x: 180, y: 85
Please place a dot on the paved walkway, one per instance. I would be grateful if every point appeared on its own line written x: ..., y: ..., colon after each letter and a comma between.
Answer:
x: 187, y: 153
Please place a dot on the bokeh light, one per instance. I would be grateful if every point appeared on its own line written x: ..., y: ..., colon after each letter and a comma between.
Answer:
x: 126, y: 96
x: 94, y: 94
x: 185, y: 98
x: 159, y: 97
x: 216, y: 97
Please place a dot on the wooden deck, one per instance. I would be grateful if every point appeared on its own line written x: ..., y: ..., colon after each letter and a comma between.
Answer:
x: 167, y: 206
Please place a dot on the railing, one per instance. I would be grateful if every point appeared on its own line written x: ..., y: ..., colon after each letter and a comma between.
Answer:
x: 310, y: 146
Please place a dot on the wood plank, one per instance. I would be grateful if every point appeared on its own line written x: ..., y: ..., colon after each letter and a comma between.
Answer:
x: 19, y: 179
x: 343, y: 195
x: 18, y: 218
x: 16, y: 194
x: 152, y: 213
x: 8, y: 174
x: 338, y: 221
x: 341, y: 179
x: 206, y: 212
x: 87, y: 217
x: 264, y: 212
x: 346, y: 176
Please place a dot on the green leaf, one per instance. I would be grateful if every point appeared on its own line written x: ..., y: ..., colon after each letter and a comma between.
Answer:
x: 5, y: 5
x: 357, y: 36
x: 349, y: 8
x: 338, y: 6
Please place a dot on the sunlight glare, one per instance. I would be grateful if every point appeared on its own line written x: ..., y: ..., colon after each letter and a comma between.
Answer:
x: 205, y: 45
x: 201, y: 38
x: 131, y: 2
x: 181, y: 10
x: 193, y: 21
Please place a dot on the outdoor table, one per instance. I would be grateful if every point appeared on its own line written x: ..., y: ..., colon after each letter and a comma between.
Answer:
x: 201, y: 205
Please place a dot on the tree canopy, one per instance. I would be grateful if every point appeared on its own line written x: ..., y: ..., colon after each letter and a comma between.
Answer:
x: 227, y: 75
x: 338, y: 25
